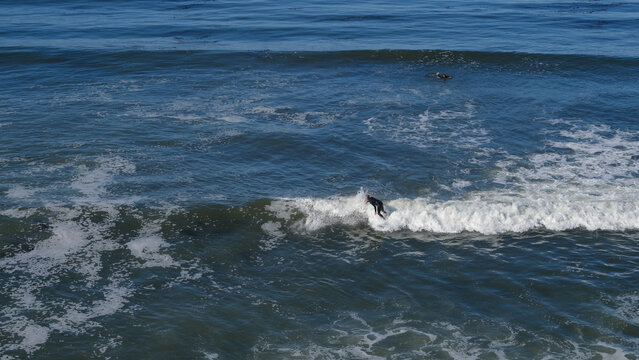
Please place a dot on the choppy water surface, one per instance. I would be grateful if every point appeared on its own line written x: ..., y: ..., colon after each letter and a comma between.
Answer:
x: 187, y: 180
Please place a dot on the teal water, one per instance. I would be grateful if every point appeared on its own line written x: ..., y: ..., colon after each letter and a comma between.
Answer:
x: 187, y: 180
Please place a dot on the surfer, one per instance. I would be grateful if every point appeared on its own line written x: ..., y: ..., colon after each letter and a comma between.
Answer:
x: 442, y: 76
x: 378, y: 205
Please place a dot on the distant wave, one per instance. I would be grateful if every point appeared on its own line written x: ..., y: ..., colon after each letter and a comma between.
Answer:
x: 206, y: 58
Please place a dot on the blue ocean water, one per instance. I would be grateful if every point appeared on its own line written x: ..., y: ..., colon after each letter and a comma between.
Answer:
x: 187, y: 180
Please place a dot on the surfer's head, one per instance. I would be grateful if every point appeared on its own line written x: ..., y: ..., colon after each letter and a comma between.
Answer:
x: 366, y: 197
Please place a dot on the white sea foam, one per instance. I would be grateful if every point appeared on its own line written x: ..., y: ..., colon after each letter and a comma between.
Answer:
x: 210, y: 355
x: 149, y: 246
x: 71, y: 255
x: 47, y: 255
x: 456, y: 127
x: 352, y: 337
x: 307, y: 119
x: 460, y: 184
x: 20, y: 192
x: 18, y: 213
x: 628, y: 307
x: 322, y: 212
x: 265, y: 110
x: 78, y: 317
x: 33, y: 336
x: 274, y: 235
x: 608, y: 352
x: 233, y: 119
x: 71, y: 249
x: 107, y: 344
x: 92, y: 182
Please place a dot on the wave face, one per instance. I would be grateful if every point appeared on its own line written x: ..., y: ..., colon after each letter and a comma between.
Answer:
x: 135, y: 60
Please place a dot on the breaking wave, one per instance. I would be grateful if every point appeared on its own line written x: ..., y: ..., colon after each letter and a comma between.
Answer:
x: 586, y: 179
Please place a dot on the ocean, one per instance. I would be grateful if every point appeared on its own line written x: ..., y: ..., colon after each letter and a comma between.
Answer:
x: 187, y: 179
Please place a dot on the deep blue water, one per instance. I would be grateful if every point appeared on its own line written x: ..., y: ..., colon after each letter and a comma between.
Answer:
x: 187, y: 180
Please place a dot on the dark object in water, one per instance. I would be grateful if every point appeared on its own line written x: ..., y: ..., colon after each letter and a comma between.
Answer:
x: 442, y: 76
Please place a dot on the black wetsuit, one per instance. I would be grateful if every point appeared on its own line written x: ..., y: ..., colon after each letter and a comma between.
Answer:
x: 378, y: 205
